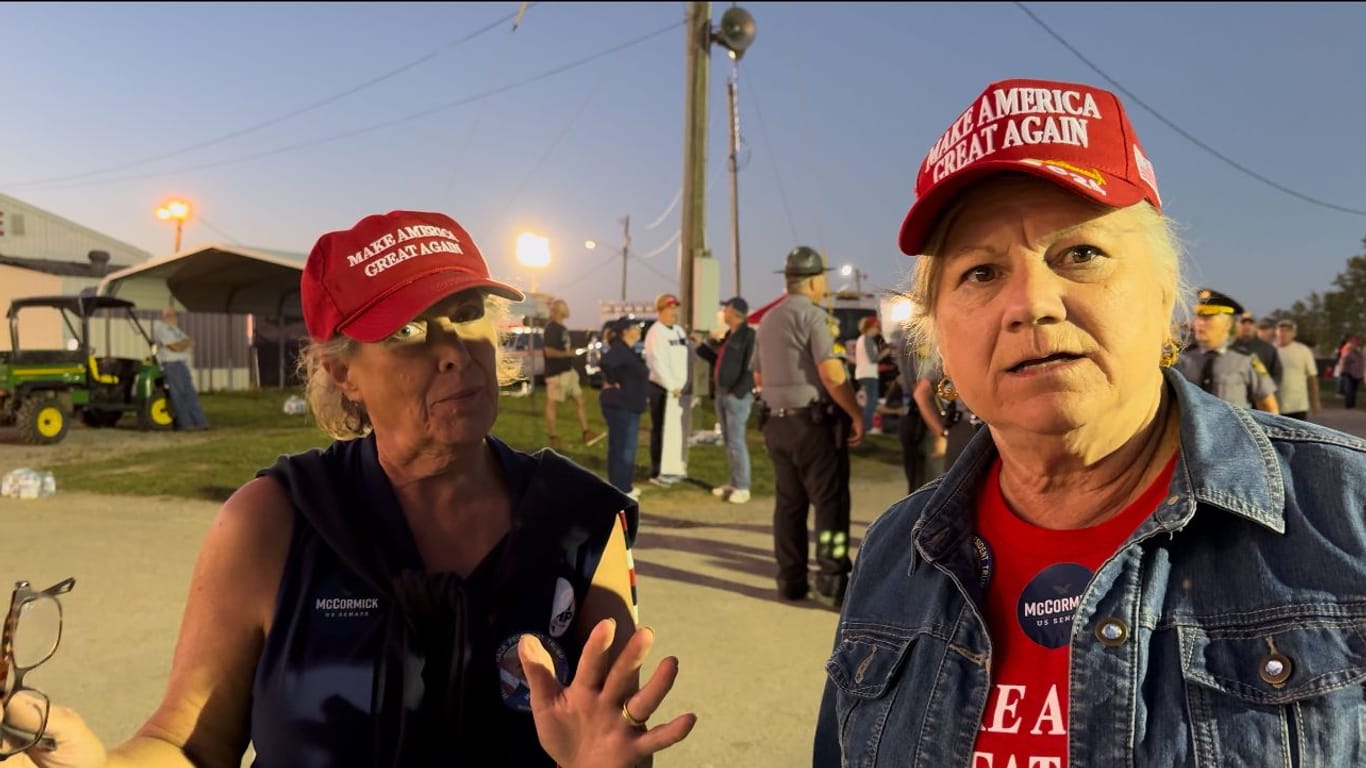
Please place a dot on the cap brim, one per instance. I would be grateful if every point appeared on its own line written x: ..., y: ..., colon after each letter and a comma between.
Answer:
x: 387, y: 314
x: 924, y: 214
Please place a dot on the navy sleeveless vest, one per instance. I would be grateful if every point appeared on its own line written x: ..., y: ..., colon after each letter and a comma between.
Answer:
x: 372, y: 661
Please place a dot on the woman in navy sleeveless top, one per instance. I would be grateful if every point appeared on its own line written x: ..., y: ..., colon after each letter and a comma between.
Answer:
x: 418, y: 593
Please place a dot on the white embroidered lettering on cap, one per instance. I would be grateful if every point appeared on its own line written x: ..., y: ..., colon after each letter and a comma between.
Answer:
x: 386, y: 251
x: 1012, y: 117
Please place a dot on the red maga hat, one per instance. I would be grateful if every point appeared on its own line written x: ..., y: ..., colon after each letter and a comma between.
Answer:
x: 1074, y: 135
x: 367, y: 281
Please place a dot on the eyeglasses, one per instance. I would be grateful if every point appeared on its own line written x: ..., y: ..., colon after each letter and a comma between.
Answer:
x: 33, y: 628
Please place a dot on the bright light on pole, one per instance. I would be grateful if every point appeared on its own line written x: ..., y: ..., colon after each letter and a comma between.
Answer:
x: 178, y: 210
x: 858, y: 275
x: 533, y: 251
x: 590, y: 244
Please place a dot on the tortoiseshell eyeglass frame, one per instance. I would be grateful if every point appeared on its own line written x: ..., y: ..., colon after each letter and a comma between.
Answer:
x: 23, y: 595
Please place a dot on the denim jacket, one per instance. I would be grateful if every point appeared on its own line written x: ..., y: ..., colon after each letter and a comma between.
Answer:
x: 1228, y: 630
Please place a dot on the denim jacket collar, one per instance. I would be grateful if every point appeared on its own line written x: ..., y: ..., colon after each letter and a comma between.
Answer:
x: 1218, y: 444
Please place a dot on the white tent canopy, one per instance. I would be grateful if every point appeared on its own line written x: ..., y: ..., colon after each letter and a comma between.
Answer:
x: 231, y: 279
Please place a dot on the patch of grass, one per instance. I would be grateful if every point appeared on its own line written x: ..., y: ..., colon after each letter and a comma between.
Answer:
x: 250, y: 432
x: 209, y: 470
x: 257, y: 408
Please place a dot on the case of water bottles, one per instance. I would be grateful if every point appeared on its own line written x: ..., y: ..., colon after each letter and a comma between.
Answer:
x: 25, y: 483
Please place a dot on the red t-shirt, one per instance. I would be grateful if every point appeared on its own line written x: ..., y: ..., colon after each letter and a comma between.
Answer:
x: 1035, y: 579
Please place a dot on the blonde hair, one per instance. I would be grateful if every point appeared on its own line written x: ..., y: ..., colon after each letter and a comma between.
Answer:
x: 344, y: 419
x: 923, y: 334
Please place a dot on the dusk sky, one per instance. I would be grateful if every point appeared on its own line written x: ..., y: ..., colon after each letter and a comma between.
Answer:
x: 280, y: 122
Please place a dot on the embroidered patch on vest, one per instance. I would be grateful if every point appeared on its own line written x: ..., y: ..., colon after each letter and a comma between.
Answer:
x: 511, y: 678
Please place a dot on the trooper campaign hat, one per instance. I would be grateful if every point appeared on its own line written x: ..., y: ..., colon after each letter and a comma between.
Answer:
x: 804, y: 261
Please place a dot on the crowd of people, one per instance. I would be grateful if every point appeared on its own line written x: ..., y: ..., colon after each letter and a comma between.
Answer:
x: 1124, y: 540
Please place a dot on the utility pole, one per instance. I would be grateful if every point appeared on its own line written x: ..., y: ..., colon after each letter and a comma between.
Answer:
x: 692, y: 234
x: 735, y: 34
x: 732, y: 86
x: 625, y: 248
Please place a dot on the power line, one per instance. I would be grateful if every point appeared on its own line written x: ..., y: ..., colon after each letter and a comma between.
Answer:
x: 1197, y: 142
x: 660, y: 219
x: 678, y: 197
x: 231, y: 240
x: 389, y: 123
x: 803, y: 131
x: 281, y: 118
x: 479, y: 112
x: 670, y: 279
x: 549, y: 150
x: 672, y: 239
x: 588, y: 273
x: 763, y: 129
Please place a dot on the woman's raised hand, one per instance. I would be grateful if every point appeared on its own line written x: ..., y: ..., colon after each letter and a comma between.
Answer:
x: 599, y: 720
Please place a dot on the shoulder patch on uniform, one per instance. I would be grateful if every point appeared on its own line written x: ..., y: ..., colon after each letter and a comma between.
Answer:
x: 1258, y: 366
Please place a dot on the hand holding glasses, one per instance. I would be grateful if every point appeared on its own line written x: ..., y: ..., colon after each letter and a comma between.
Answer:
x: 32, y: 630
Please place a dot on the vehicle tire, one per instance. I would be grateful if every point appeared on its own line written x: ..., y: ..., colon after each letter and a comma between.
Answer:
x: 100, y: 419
x: 42, y: 421
x: 156, y: 412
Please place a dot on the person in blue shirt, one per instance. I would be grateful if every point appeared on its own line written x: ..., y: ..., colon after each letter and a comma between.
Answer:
x: 419, y: 592
x: 1120, y: 568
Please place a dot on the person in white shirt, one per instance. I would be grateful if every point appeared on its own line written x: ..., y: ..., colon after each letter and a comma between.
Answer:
x: 666, y: 355
x: 173, y: 355
x: 1299, y: 392
x: 867, y: 354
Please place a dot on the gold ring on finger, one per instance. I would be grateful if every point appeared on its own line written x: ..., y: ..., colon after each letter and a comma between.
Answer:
x: 626, y: 715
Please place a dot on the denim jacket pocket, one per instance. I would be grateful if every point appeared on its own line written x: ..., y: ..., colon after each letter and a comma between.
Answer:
x: 1286, y: 692
x: 864, y: 668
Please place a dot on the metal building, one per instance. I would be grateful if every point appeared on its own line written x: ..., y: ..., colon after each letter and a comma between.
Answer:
x: 43, y: 254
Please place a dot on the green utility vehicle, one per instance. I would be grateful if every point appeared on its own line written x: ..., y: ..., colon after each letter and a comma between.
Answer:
x: 42, y: 389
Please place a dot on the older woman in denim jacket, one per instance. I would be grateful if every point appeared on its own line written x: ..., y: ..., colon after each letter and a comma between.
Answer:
x: 1121, y: 569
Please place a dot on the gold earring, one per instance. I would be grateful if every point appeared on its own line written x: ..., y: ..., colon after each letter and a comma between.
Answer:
x: 946, y: 390
x: 1171, y: 352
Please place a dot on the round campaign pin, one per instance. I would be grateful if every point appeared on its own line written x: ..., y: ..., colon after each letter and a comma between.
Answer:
x: 562, y: 609
x: 982, y: 560
x: 1049, y: 601
x: 512, y: 680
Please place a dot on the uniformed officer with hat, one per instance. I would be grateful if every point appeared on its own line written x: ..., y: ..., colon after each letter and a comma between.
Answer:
x: 810, y: 418
x: 1218, y: 368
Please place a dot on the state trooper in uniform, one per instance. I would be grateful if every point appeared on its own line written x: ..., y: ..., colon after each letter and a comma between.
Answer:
x: 810, y: 418
x: 1218, y: 368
